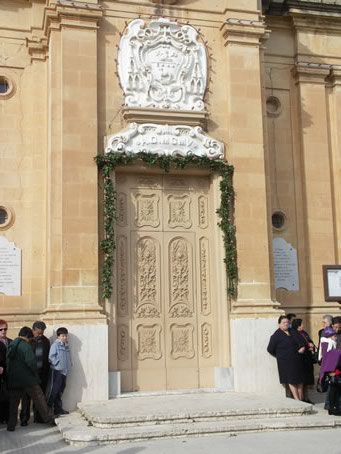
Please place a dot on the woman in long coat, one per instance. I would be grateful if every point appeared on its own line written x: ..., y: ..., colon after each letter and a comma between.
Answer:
x: 4, y: 401
x: 288, y: 349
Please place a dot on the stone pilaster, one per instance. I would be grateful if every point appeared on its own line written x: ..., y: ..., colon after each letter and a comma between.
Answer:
x: 254, y: 314
x: 316, y: 178
x: 72, y: 173
x: 243, y: 39
x: 72, y: 209
x: 334, y: 110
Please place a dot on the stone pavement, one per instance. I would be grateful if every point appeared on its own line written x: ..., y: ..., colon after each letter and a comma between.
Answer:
x: 38, y: 439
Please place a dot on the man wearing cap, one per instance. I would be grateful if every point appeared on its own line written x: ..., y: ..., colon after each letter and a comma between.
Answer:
x: 41, y: 349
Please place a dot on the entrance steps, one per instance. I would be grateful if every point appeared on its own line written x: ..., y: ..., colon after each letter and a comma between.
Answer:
x: 183, y: 415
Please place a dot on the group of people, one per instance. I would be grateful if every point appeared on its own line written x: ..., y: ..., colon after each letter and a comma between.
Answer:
x: 296, y: 355
x: 32, y: 370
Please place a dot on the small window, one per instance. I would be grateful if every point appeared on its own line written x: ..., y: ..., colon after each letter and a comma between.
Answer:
x: 273, y: 106
x: 6, y: 218
x: 278, y: 220
x: 4, y: 85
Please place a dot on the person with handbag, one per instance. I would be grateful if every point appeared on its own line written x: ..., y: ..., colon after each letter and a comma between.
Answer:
x: 4, y: 396
x: 309, y: 357
x: 288, y: 348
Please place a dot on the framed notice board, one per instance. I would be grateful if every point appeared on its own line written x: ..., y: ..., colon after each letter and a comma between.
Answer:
x: 332, y: 282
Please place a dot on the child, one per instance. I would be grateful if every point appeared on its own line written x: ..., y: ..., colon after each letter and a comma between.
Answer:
x: 60, y: 360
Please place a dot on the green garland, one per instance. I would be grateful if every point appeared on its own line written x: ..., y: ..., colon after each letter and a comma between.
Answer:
x: 110, y: 161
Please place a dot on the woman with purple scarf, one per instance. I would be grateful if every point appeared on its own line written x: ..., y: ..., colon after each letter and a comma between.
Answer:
x: 331, y: 372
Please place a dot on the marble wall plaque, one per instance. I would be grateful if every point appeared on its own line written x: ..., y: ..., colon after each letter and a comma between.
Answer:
x: 285, y: 265
x: 10, y: 268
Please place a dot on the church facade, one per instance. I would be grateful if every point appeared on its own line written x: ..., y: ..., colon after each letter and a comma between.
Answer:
x: 118, y: 120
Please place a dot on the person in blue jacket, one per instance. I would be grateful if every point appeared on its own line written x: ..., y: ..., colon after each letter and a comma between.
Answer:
x: 60, y: 360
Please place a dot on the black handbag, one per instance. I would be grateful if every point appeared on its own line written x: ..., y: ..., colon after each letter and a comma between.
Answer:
x: 314, y: 357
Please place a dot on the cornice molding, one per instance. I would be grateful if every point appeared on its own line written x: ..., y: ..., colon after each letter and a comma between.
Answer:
x: 315, y: 22
x: 244, y: 32
x: 334, y: 78
x: 311, y: 73
x: 64, y: 13
x: 37, y: 48
x: 285, y: 7
x: 171, y: 117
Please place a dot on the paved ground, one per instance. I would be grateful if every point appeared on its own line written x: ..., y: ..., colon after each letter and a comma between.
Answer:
x: 38, y: 439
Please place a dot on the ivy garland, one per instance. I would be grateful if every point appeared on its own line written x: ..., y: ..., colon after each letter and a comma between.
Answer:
x: 107, y: 164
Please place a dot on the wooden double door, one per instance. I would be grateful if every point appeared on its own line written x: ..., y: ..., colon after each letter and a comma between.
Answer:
x: 165, y: 326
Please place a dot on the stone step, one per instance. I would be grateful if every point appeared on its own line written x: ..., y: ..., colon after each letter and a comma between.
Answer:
x: 77, y: 431
x: 185, y: 408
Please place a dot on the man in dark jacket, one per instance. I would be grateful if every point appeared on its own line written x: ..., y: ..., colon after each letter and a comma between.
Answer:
x: 23, y: 377
x: 41, y: 349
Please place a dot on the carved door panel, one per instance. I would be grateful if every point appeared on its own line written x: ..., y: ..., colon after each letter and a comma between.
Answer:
x: 165, y: 314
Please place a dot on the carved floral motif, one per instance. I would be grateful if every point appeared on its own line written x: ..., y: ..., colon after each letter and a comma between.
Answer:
x: 162, y: 64
x: 149, y: 342
x: 182, y: 341
x: 206, y: 340
x: 122, y: 209
x: 122, y: 299
x: 202, y: 209
x: 148, y: 297
x: 180, y: 294
x: 204, y: 277
x: 123, y: 343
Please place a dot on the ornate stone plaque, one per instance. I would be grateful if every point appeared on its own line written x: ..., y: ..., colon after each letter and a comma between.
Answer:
x: 179, y: 140
x: 162, y: 65
x: 10, y: 268
x: 285, y: 265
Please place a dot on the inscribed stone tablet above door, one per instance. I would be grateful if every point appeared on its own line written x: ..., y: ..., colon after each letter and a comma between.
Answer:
x: 178, y: 140
x: 162, y: 65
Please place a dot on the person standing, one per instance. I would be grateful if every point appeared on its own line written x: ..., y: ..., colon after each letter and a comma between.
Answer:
x: 290, y: 317
x: 4, y: 401
x: 41, y: 349
x: 288, y: 349
x: 310, y: 349
x: 326, y: 323
x: 60, y: 360
x: 23, y: 377
x: 336, y: 323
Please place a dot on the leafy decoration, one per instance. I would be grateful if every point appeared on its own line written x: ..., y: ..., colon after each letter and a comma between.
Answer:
x: 110, y: 161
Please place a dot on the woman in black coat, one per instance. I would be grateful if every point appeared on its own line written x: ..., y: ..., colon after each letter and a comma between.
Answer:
x: 297, y: 325
x: 288, y: 349
x: 4, y: 401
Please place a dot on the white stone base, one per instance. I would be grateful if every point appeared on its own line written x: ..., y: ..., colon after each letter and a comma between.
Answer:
x: 114, y: 384
x: 224, y: 378
x: 88, y: 379
x: 254, y: 369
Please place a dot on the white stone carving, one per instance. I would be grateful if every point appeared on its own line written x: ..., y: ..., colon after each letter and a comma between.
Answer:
x: 162, y: 65
x: 165, y: 140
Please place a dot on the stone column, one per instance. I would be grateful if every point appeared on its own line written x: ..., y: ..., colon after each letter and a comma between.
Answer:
x: 334, y: 111
x: 72, y: 269
x: 254, y: 315
x: 318, y: 187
